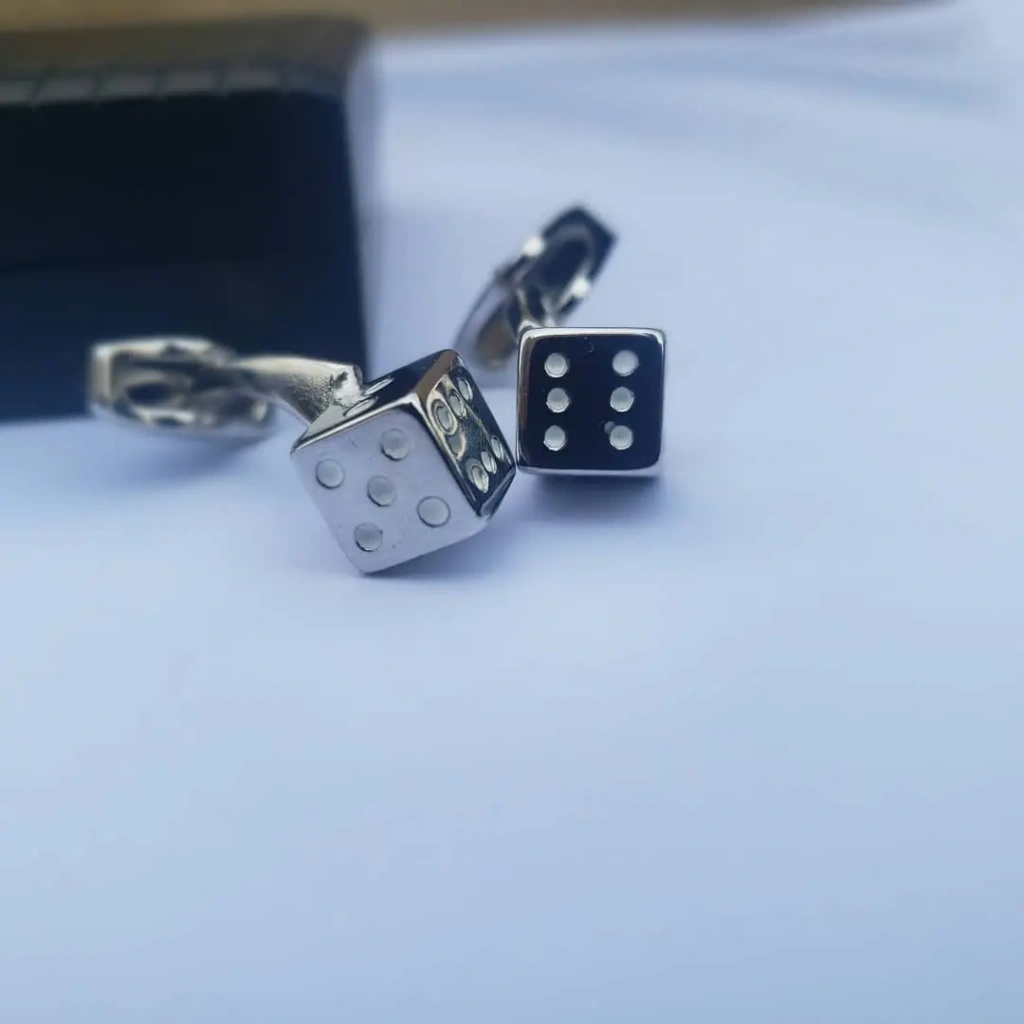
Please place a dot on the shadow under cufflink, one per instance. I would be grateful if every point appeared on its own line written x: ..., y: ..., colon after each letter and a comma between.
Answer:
x: 474, y: 557
x: 595, y: 499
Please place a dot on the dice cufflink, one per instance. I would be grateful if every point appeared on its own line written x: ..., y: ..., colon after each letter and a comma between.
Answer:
x: 588, y: 401
x: 398, y: 467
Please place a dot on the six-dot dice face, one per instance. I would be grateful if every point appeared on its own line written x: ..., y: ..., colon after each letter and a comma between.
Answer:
x: 590, y: 401
x: 416, y: 464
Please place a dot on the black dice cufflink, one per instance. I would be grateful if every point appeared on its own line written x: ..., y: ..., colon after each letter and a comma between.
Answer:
x: 589, y: 401
x: 399, y: 467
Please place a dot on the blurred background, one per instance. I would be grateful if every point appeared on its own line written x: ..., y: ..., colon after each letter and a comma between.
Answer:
x: 407, y: 14
x: 741, y: 747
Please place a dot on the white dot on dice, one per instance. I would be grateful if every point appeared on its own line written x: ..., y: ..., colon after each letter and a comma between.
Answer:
x: 621, y: 400
x: 625, y: 362
x: 329, y: 474
x: 395, y: 444
x: 558, y: 400
x: 444, y: 417
x: 457, y: 404
x: 368, y: 537
x: 620, y: 437
x: 434, y: 511
x: 477, y: 473
x: 381, y: 491
x: 556, y: 365
x: 554, y: 439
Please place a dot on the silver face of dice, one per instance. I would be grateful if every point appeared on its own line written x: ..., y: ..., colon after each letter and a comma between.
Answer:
x: 590, y: 402
x: 416, y: 464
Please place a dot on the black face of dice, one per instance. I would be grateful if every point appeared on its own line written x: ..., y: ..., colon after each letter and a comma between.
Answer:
x: 591, y: 401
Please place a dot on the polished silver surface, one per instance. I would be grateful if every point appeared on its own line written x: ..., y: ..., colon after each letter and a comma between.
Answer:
x: 424, y: 463
x: 556, y: 268
x: 196, y: 388
x: 399, y: 467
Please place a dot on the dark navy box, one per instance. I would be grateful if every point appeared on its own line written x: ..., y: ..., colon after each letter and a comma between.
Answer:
x: 211, y: 180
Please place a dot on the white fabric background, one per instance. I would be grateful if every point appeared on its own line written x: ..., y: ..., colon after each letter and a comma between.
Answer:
x: 744, y: 746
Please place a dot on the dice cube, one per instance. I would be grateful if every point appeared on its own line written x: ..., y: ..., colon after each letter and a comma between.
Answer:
x: 415, y: 463
x: 590, y: 402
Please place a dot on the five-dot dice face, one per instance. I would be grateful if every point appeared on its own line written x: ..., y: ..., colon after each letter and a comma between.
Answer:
x: 590, y: 401
x: 416, y: 464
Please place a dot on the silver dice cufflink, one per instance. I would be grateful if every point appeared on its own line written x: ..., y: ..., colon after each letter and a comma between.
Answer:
x: 589, y: 401
x: 399, y: 467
